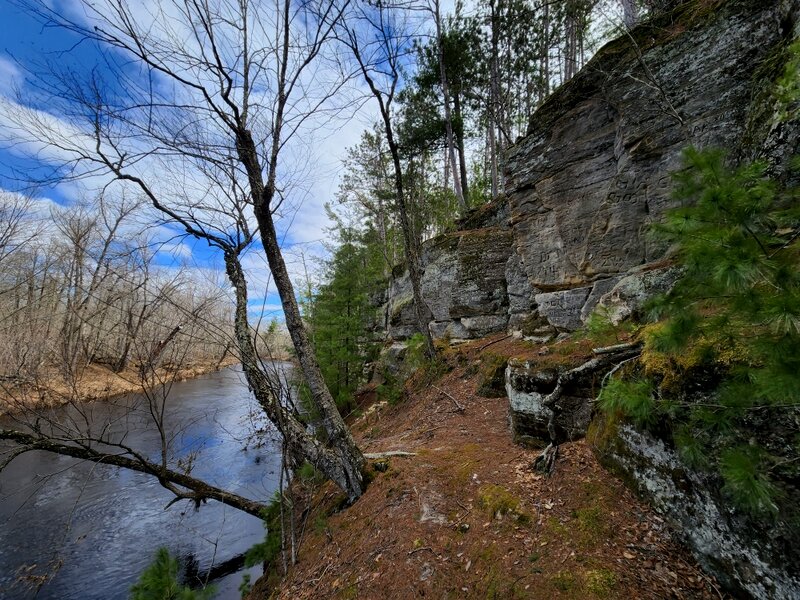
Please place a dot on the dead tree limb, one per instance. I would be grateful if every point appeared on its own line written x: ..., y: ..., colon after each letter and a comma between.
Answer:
x: 459, y: 407
x: 388, y: 454
x: 183, y: 486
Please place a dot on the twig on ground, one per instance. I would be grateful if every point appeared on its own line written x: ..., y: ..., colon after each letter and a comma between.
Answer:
x: 459, y: 408
x: 482, y: 348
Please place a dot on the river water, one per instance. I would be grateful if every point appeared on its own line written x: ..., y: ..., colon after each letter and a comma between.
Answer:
x: 94, y: 528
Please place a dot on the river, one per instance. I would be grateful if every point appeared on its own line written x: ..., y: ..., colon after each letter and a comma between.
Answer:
x: 97, y: 527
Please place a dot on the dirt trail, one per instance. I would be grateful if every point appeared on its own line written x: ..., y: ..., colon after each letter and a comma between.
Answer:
x: 467, y: 518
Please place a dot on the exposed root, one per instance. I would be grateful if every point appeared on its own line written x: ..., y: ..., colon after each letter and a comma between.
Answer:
x: 546, y: 461
x: 608, y: 356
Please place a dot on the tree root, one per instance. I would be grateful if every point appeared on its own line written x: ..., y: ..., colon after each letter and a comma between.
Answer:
x: 606, y: 357
x: 545, y: 463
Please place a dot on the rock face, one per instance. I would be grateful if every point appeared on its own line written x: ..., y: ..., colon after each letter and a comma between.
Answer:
x: 594, y: 171
x: 749, y: 559
x: 526, y: 386
x: 582, y: 187
x: 464, y: 282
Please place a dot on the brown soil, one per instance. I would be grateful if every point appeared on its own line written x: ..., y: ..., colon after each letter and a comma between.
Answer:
x: 97, y: 382
x: 467, y: 518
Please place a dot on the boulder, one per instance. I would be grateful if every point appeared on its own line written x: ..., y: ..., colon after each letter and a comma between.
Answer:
x: 630, y: 293
x: 526, y: 387
x: 749, y: 559
x: 563, y: 309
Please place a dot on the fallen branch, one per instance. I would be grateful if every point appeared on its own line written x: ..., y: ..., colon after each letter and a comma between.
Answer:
x: 459, y: 408
x: 485, y: 346
x: 194, y: 489
x: 388, y: 454
x: 616, y: 348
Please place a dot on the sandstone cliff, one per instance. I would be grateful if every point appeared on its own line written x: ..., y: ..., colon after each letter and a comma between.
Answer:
x: 594, y: 172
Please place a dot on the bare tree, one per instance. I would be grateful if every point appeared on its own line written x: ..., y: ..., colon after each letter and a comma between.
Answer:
x: 378, y: 38
x: 200, y: 131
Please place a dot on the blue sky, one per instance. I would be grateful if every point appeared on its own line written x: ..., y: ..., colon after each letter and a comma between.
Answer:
x: 24, y: 43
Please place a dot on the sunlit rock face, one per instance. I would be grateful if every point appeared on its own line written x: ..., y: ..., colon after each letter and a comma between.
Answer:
x: 594, y: 171
x: 582, y: 189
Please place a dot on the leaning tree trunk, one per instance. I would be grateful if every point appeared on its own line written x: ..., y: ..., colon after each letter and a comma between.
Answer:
x: 340, y: 459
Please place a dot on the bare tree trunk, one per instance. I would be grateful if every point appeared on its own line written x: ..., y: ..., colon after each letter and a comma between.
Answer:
x: 384, y: 98
x: 494, y: 93
x: 462, y: 160
x: 410, y: 241
x: 570, y: 47
x: 341, y: 460
x: 630, y: 13
x: 546, y: 52
x: 448, y: 119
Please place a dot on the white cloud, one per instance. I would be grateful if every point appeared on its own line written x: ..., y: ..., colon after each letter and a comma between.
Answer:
x: 310, y: 168
x: 9, y: 74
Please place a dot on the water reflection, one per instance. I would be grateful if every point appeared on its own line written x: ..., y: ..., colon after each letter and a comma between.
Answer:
x: 102, y: 525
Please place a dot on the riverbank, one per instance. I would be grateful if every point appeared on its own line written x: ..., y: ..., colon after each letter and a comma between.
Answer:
x: 96, y: 382
x: 466, y: 517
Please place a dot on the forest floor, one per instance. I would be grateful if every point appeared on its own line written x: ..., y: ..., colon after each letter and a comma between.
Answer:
x: 466, y: 517
x: 96, y: 382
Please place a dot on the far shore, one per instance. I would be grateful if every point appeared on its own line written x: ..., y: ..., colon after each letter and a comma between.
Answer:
x: 97, y: 382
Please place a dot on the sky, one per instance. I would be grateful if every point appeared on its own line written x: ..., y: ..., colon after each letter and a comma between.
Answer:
x: 25, y: 44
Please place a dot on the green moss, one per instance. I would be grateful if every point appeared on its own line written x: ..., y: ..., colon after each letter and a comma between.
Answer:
x: 602, y: 431
x: 398, y: 306
x: 593, y: 524
x: 556, y: 528
x: 564, y: 581
x: 492, y: 381
x: 495, y: 500
x: 600, y: 582
x: 533, y: 323
x: 776, y: 92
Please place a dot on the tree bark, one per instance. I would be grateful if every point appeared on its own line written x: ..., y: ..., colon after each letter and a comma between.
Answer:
x: 341, y: 460
x: 462, y: 160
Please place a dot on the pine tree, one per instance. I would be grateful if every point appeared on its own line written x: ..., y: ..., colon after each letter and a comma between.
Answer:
x: 340, y: 313
x: 159, y: 581
x: 733, y: 319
